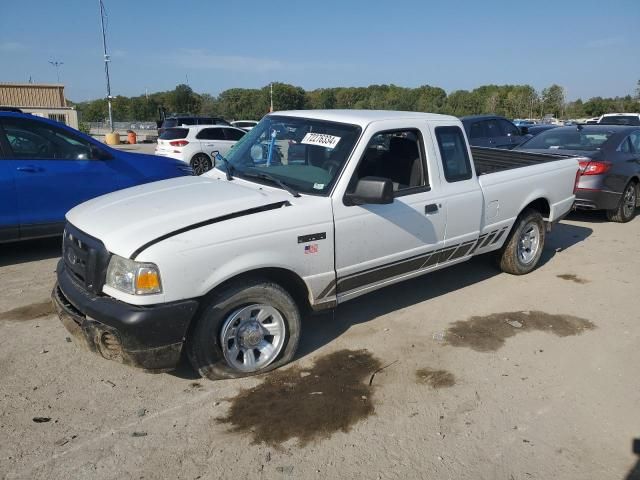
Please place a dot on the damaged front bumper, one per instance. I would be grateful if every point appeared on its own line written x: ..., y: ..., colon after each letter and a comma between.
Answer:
x: 149, y: 337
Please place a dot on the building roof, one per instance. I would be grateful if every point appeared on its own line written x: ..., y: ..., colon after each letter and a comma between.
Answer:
x: 32, y: 95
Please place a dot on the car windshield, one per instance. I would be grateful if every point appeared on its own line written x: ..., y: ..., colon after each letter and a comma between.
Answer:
x: 305, y: 154
x: 621, y: 120
x: 568, y: 139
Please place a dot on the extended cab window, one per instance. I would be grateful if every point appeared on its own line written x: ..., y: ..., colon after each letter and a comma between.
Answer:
x: 394, y: 155
x: 453, y: 152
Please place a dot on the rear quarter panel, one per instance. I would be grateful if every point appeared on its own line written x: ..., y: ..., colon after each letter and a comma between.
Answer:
x: 508, y: 192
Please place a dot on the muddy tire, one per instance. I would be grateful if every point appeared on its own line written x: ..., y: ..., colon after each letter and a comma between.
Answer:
x: 246, y: 329
x: 523, y: 247
x: 626, y: 209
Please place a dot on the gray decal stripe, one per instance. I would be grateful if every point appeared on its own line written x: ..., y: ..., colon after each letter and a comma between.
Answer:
x: 488, y: 239
x: 462, y: 250
x: 367, y: 278
x: 329, y: 289
x: 242, y: 213
x: 499, y: 236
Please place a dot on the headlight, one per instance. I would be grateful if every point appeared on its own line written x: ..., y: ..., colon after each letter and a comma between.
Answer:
x: 133, y: 277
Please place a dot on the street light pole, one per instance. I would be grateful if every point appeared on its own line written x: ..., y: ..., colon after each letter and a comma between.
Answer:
x: 57, y: 65
x: 106, y: 64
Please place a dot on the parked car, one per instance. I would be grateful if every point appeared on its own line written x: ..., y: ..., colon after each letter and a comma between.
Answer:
x: 523, y: 123
x: 534, y: 130
x: 609, y: 160
x: 620, y: 119
x: 492, y: 131
x: 194, y: 145
x: 181, y: 121
x: 223, y: 265
x: 47, y: 168
x: 245, y: 124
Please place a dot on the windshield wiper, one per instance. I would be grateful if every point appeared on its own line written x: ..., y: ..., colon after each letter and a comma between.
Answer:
x: 228, y: 167
x: 277, y: 181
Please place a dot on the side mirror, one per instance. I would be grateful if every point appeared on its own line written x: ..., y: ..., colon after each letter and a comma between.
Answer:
x: 524, y: 130
x: 214, y: 157
x: 371, y: 190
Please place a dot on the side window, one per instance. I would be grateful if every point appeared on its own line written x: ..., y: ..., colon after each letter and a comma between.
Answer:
x: 625, y: 146
x: 233, y: 135
x: 492, y: 128
x: 453, y: 151
x: 30, y: 139
x: 508, y: 129
x: 211, y: 134
x: 396, y: 155
x: 634, y: 138
x: 477, y: 130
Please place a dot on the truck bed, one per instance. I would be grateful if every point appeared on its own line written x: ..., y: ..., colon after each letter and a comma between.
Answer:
x: 491, y: 160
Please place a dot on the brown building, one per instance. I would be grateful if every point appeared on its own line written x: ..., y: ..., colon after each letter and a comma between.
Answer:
x: 43, y: 100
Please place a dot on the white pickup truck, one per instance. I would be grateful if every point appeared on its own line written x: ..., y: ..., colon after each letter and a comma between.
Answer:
x: 310, y: 209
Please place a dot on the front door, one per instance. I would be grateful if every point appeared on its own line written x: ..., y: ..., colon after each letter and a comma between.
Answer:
x: 9, y: 221
x: 380, y: 244
x: 55, y: 170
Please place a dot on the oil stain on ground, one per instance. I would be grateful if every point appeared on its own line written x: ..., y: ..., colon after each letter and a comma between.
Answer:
x: 307, y: 404
x: 435, y: 378
x: 28, y: 312
x: 573, y: 278
x: 488, y: 333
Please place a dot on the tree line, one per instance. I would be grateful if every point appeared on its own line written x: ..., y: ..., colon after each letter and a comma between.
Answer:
x: 512, y: 101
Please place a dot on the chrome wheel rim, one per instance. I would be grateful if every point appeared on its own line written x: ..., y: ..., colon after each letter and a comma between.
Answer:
x: 629, y: 201
x: 529, y: 243
x: 200, y: 164
x: 252, y: 337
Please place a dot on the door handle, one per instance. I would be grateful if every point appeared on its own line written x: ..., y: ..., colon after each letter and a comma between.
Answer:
x: 30, y: 169
x: 431, y: 208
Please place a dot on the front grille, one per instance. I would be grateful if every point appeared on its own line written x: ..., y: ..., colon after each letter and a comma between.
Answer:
x: 85, y: 257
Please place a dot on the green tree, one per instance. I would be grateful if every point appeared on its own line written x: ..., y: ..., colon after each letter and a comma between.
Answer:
x: 553, y: 100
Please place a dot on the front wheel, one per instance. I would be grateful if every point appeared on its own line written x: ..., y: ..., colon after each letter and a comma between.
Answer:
x: 523, y: 248
x: 200, y: 163
x: 626, y: 209
x: 246, y: 329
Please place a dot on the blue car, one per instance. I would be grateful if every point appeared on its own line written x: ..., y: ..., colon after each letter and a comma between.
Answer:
x: 47, y: 168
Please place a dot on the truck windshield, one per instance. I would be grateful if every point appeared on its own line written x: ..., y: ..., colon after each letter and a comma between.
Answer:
x: 305, y: 154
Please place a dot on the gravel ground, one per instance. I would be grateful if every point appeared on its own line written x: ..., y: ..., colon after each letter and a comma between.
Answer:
x: 466, y: 373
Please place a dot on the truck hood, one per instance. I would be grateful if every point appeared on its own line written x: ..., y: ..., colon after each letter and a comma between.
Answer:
x: 129, y: 219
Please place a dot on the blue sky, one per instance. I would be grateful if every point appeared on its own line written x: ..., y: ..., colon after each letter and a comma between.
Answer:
x: 590, y: 47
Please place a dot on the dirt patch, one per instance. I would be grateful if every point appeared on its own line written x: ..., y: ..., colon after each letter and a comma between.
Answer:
x: 487, y: 334
x: 572, y: 278
x: 28, y: 312
x: 435, y: 378
x: 307, y: 404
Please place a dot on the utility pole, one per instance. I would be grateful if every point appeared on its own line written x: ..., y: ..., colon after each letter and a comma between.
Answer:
x: 57, y: 65
x: 106, y: 64
x: 271, y: 94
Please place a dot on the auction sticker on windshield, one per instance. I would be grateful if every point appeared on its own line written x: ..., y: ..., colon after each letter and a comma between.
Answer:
x: 321, y: 140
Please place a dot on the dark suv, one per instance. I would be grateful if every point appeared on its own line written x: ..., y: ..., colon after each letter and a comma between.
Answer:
x: 170, y: 122
x: 492, y: 131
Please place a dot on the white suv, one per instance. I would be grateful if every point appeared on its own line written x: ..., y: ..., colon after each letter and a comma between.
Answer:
x: 194, y: 144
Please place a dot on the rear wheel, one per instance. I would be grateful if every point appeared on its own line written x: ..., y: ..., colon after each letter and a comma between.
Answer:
x: 523, y: 248
x: 626, y: 210
x: 200, y: 163
x: 247, y: 329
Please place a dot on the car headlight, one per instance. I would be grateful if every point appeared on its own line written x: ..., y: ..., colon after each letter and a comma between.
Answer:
x: 133, y: 277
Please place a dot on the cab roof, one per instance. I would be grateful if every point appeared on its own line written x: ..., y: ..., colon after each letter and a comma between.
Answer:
x: 363, y: 118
